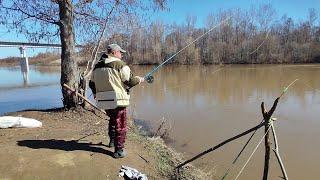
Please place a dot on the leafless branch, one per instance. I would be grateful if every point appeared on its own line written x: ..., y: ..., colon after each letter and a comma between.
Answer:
x: 91, y: 63
x: 36, y: 16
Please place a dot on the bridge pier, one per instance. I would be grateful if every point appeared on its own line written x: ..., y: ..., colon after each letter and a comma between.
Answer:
x: 24, y: 64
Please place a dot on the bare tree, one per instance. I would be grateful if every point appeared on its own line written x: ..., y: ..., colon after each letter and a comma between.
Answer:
x: 68, y: 20
x: 250, y: 36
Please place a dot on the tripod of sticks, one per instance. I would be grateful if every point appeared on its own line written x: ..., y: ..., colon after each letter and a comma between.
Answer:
x: 268, y: 124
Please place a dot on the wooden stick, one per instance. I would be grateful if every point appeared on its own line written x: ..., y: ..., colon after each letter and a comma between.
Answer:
x: 84, y: 98
x: 254, y: 150
x: 276, y: 151
x: 87, y: 135
x: 221, y: 144
x: 267, y: 116
x: 267, y: 144
x: 143, y: 158
x: 239, y: 154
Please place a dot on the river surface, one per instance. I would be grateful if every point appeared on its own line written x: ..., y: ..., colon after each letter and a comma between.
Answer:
x: 204, y: 105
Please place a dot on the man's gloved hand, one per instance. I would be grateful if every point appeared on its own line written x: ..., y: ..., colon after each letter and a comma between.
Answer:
x: 141, y: 79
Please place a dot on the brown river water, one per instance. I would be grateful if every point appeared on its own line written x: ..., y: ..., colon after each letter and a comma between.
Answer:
x: 204, y: 105
x: 207, y: 104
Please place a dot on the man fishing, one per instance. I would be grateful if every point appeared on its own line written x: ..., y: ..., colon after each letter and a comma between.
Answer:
x: 110, y: 84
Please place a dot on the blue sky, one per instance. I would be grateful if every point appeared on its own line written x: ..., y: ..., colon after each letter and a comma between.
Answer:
x: 179, y: 9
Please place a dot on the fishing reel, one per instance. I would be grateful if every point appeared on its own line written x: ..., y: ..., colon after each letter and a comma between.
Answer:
x: 149, y: 79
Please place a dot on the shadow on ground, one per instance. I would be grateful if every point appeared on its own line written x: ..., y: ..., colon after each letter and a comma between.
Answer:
x: 58, y: 109
x: 64, y: 145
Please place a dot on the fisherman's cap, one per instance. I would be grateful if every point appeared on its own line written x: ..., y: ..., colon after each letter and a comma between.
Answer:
x: 115, y: 47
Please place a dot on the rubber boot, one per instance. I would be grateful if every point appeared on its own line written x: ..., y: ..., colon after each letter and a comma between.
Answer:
x: 119, y: 154
x: 111, y: 143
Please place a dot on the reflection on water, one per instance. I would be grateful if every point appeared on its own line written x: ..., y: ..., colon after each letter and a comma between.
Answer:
x: 12, y: 77
x: 36, y: 89
x: 205, y: 106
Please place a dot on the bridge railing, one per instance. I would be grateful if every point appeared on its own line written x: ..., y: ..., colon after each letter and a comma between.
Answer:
x: 33, y: 45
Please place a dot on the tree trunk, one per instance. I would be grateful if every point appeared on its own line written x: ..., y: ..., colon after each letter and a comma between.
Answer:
x: 69, y: 67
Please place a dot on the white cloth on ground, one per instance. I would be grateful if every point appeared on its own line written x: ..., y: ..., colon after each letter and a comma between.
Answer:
x: 18, y: 122
x: 131, y: 173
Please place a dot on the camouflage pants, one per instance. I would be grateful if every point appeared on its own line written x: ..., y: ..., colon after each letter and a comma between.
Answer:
x: 117, y: 126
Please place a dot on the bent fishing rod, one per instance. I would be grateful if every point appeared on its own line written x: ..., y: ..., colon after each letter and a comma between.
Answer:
x: 149, y: 78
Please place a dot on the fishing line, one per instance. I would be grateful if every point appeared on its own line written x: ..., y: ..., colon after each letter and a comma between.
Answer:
x: 304, y: 81
x: 238, y: 156
x: 310, y: 86
x: 149, y: 78
x: 187, y: 82
x: 261, y: 43
x: 252, y: 153
x: 286, y: 88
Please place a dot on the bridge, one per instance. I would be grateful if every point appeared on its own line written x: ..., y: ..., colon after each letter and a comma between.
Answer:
x: 33, y: 45
x: 24, y: 62
x: 23, y: 47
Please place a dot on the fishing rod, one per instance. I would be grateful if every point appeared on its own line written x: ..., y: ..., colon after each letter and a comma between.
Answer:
x: 149, y: 78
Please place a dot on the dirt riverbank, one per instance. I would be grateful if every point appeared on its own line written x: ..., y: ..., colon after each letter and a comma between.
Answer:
x: 73, y: 145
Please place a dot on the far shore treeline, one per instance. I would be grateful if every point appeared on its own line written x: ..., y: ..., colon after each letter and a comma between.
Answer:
x: 255, y: 36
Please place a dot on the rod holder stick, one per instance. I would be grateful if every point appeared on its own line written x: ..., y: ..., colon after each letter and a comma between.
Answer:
x: 267, y: 121
x: 84, y: 98
x: 276, y: 151
x: 220, y: 145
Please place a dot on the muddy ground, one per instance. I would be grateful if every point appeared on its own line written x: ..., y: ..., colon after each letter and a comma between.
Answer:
x: 73, y: 145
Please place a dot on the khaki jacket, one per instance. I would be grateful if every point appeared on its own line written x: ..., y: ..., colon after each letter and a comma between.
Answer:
x: 111, y: 79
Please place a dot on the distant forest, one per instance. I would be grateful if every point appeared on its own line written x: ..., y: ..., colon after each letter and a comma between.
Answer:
x: 249, y: 36
x: 254, y: 36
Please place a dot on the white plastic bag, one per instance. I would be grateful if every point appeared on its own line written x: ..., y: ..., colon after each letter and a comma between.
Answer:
x: 17, y: 122
x: 131, y: 173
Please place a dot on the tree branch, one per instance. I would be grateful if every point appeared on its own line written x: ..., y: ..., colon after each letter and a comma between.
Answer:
x: 48, y: 20
x: 88, y: 15
x: 91, y: 63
